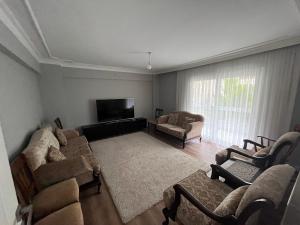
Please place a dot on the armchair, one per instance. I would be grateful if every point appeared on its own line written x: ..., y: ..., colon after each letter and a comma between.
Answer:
x: 238, y: 171
x: 202, y: 201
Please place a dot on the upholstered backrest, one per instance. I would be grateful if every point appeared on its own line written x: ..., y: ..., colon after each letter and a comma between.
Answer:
x: 37, y: 150
x: 271, y: 184
x: 284, y: 146
x: 183, y: 115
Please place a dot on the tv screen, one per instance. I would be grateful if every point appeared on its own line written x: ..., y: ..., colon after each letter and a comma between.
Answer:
x: 114, y: 109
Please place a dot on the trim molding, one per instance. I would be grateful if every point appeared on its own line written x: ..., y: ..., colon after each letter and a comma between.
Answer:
x: 37, y: 26
x: 11, y: 22
x: 78, y: 65
x: 239, y: 53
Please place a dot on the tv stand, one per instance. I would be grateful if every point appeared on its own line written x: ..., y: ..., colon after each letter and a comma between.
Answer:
x: 113, y: 128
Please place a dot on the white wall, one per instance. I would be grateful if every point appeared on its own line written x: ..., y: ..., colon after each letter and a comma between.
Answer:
x: 20, y: 103
x: 70, y: 93
x: 8, y: 199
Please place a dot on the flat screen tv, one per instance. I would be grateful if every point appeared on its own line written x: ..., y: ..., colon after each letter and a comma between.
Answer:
x: 114, y: 109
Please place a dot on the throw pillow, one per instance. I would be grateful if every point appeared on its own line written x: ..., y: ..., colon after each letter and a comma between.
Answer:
x: 189, y: 119
x: 54, y: 155
x: 263, y: 152
x: 61, y: 137
x: 173, y: 118
x: 230, y: 204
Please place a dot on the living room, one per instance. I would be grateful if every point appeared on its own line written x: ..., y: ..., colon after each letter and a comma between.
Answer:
x: 149, y: 112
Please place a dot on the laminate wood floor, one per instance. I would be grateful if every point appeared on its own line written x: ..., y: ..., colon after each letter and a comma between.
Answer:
x: 99, y: 209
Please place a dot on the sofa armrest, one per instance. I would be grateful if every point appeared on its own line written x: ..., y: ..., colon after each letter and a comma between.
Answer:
x: 193, y: 129
x: 55, y: 172
x: 163, y: 119
x: 71, y: 133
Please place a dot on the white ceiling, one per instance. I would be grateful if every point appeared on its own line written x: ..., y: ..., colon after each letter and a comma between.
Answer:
x: 113, y: 32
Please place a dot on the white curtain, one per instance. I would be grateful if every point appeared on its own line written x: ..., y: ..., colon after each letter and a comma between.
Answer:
x: 242, y: 98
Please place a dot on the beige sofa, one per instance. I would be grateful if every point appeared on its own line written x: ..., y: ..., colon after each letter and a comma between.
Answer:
x: 182, y: 125
x: 79, y: 163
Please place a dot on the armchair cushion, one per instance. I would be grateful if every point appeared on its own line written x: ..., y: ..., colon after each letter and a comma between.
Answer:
x: 61, y: 137
x: 55, y: 197
x: 230, y: 204
x: 271, y: 184
x: 70, y: 214
x: 262, y: 152
x: 54, y: 172
x: 209, y: 192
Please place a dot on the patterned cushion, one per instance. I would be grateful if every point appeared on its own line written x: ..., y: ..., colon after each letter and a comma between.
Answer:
x: 173, y: 118
x: 61, y: 137
x: 262, y: 152
x: 209, y: 192
x: 35, y: 154
x: 171, y: 129
x: 55, y: 155
x: 75, y: 147
x: 230, y: 204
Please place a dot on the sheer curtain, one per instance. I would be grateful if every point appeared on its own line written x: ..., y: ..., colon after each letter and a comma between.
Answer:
x: 242, y: 98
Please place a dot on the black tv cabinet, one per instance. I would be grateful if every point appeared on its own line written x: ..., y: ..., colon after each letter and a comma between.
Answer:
x: 113, y: 128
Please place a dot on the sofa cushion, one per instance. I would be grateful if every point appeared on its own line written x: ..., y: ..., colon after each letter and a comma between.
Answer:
x: 69, y: 215
x: 172, y: 130
x: 54, y: 155
x: 46, y: 135
x: 54, y: 172
x: 54, y: 198
x: 75, y: 147
x: 271, y: 184
x: 71, y: 133
x: 61, y: 137
x: 209, y: 192
x: 230, y: 204
x: 173, y: 118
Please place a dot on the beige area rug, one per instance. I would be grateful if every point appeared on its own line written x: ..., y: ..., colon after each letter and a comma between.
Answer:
x: 138, y: 168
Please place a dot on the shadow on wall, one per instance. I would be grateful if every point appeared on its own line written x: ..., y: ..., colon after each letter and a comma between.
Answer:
x: 23, y: 145
x: 92, y: 110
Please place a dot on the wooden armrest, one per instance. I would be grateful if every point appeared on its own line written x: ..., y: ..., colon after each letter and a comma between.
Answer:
x: 262, y: 138
x: 256, y: 144
x: 230, y: 150
x: 180, y: 190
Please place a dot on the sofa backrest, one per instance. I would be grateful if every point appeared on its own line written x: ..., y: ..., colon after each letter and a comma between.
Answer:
x: 182, y: 117
x: 37, y: 150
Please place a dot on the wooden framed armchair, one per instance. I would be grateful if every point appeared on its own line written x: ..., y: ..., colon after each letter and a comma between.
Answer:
x: 199, y: 200
x: 243, y: 170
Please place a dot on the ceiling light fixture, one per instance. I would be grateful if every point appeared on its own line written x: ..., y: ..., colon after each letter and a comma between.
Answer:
x: 149, y: 66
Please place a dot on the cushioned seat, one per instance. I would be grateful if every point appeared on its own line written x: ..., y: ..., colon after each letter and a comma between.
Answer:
x: 221, y: 156
x: 54, y: 198
x: 75, y: 147
x: 210, y: 192
x: 52, y: 173
x: 69, y: 215
x: 172, y: 129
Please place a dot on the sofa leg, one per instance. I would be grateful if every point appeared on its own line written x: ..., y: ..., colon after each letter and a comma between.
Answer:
x: 214, y: 173
x: 165, y: 212
x: 200, y: 139
x: 99, y: 185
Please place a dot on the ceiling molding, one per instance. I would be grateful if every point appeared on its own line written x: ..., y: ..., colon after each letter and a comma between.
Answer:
x: 10, y: 21
x: 242, y: 52
x: 78, y: 65
x: 37, y: 26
